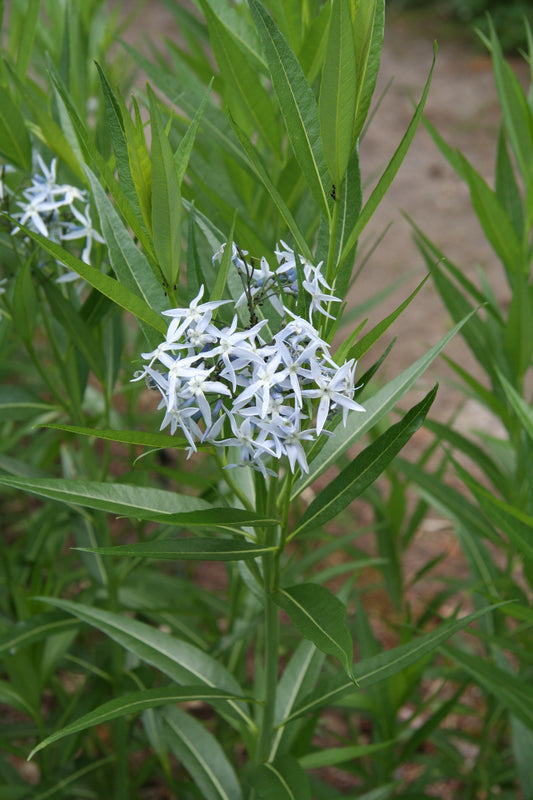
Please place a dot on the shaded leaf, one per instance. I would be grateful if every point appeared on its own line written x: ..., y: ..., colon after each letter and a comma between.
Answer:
x: 320, y: 617
x: 364, y: 469
x: 134, y: 703
x: 203, y: 549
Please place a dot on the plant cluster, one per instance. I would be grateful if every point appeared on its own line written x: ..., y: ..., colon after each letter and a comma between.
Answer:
x: 119, y: 674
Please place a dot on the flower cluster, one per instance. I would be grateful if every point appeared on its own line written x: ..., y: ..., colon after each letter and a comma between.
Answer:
x: 243, y: 389
x: 49, y: 209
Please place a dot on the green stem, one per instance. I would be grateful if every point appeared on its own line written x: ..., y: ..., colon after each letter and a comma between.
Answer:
x: 333, y: 227
x: 266, y: 502
x: 270, y: 577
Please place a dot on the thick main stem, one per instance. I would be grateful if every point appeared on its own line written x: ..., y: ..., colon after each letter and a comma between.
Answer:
x: 271, y: 611
x: 270, y: 563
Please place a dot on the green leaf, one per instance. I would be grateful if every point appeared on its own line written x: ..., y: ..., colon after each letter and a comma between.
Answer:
x: 142, y: 438
x: 364, y: 469
x: 390, y: 171
x: 369, y: 339
x: 506, y: 186
x: 184, y: 150
x: 375, y: 669
x: 80, y: 334
x: 17, y: 402
x: 448, y: 501
x: 201, y: 755
x: 297, y: 103
x: 337, y: 97
x: 493, y: 218
x: 35, y: 629
x: 516, y: 524
x: 320, y: 617
x: 129, y: 263
x: 298, y: 679
x: 282, y: 779
x: 27, y: 38
x: 47, y: 130
x: 15, y: 143
x: 517, y: 116
x: 203, y: 549
x: 134, y: 703
x: 522, y: 409
x: 139, y: 160
x: 332, y: 756
x: 115, y: 125
x: 375, y: 408
x: 184, y: 663
x: 138, y: 502
x: 217, y: 291
x: 511, y: 691
x: 368, y: 29
x: 263, y: 175
x: 24, y: 304
x: 243, y: 92
x: 108, y: 286
x: 166, y: 200
x: 351, y: 199
x: 519, y: 329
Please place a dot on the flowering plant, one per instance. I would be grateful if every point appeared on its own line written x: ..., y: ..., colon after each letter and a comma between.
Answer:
x: 241, y: 357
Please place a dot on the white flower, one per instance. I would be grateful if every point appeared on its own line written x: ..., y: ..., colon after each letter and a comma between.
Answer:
x: 198, y: 315
x: 331, y: 390
x: 83, y: 230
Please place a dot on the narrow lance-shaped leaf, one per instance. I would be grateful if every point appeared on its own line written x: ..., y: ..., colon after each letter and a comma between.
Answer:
x: 384, y: 665
x: 493, y: 218
x: 337, y: 96
x: 264, y: 177
x: 297, y: 104
x: 129, y: 263
x: 184, y: 663
x: 136, y: 502
x: 390, y: 172
x: 513, y: 692
x: 368, y: 29
x: 203, y: 549
x: 139, y: 160
x: 35, y: 629
x: 222, y: 272
x: 517, y: 115
x: 141, y: 438
x: 244, y: 93
x: 320, y: 617
x: 166, y: 199
x: 375, y: 408
x: 15, y: 143
x: 282, y: 779
x: 184, y: 149
x: 522, y: 409
x: 201, y: 755
x: 134, y: 703
x: 115, y: 126
x: 364, y: 469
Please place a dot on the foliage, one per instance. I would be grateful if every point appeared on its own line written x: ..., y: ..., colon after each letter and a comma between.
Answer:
x: 494, y: 525
x: 125, y: 666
